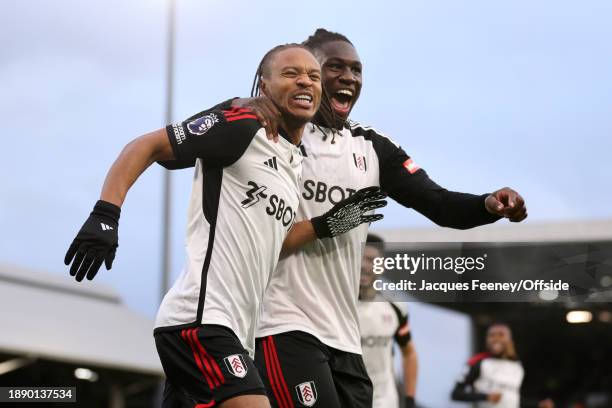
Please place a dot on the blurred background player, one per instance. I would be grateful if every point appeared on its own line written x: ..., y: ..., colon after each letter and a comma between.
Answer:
x: 309, y: 344
x: 493, y: 378
x: 381, y: 323
x: 243, y: 202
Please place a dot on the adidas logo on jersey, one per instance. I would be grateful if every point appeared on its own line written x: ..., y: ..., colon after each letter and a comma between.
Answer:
x: 105, y: 227
x: 272, y: 162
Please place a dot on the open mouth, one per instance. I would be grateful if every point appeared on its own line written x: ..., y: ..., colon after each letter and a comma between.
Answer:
x: 341, y: 102
x: 303, y: 100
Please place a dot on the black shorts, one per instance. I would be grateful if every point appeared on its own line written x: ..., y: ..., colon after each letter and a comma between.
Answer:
x: 298, y: 370
x: 205, y: 366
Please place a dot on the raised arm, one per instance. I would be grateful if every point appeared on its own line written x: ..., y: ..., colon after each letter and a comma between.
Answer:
x: 405, y: 182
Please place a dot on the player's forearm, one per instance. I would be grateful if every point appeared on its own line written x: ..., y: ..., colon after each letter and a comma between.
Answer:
x: 454, y: 210
x: 133, y: 160
x: 301, y: 234
x: 461, y: 394
x: 445, y: 208
x: 411, y: 367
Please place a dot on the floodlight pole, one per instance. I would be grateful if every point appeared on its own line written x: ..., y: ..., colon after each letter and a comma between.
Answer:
x: 167, y: 180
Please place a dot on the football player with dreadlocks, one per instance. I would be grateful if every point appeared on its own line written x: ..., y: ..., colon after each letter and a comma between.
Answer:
x: 308, y: 347
x: 244, y: 200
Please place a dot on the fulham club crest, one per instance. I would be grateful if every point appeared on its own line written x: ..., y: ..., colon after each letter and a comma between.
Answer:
x: 360, y: 162
x: 235, y: 365
x: 307, y: 393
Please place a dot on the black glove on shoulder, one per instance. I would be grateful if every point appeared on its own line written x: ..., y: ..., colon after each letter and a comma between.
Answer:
x: 96, y: 242
x: 350, y: 213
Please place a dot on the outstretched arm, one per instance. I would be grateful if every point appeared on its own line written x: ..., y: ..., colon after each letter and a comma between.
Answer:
x: 97, y: 240
x: 133, y: 160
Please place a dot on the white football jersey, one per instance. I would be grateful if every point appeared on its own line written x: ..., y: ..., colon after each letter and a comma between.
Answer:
x: 485, y: 374
x: 315, y: 290
x: 382, y: 324
x: 243, y: 204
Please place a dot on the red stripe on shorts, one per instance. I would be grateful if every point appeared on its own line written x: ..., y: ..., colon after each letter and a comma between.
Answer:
x: 207, y: 405
x: 274, y: 358
x: 272, y: 375
x: 196, y: 357
x: 219, y: 376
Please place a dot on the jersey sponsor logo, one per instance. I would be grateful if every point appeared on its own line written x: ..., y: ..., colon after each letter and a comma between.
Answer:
x: 236, y: 366
x: 411, y: 166
x: 375, y: 341
x: 254, y: 194
x: 179, y: 133
x: 307, y: 393
x: 320, y: 192
x: 281, y: 211
x: 272, y: 162
x: 277, y: 207
x: 201, y: 125
x: 360, y: 162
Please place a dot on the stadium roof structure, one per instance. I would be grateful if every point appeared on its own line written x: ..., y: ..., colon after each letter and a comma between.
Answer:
x: 50, y: 316
x: 566, y: 231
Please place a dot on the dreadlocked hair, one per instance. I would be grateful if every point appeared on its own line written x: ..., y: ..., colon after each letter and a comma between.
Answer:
x: 326, y: 115
x: 265, y: 62
x: 322, y: 36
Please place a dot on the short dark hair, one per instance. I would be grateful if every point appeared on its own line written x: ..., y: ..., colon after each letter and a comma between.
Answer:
x: 322, y: 36
x: 374, y: 238
x: 499, y: 323
x: 377, y: 242
x: 265, y: 62
x: 326, y: 114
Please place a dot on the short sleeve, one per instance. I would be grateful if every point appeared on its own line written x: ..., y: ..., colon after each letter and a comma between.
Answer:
x: 178, y: 165
x: 218, y: 137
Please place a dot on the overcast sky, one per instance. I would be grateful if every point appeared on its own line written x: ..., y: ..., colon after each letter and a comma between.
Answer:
x: 482, y: 94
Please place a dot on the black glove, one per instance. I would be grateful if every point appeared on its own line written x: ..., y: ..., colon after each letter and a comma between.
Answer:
x: 95, y: 243
x: 349, y: 213
x: 409, y: 402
